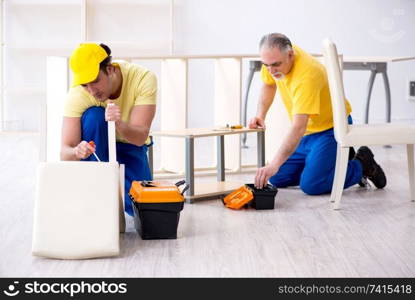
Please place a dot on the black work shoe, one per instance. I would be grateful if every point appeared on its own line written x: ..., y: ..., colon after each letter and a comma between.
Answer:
x: 352, y: 154
x: 371, y: 170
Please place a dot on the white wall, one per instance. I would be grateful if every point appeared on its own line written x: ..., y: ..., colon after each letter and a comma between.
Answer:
x: 373, y: 27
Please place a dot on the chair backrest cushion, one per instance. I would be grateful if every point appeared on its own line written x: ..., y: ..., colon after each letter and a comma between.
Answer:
x: 338, y: 101
x: 76, y: 211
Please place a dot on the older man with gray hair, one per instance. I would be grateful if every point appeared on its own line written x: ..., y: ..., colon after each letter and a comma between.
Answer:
x: 307, y: 155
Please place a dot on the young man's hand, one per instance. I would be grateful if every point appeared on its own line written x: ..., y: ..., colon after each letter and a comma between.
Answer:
x: 256, y: 122
x: 113, y: 112
x: 83, y: 150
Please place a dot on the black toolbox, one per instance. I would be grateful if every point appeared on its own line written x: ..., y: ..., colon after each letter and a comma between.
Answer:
x: 263, y: 198
x: 157, y: 207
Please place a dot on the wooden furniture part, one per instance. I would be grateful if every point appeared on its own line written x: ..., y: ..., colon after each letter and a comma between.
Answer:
x: 221, y: 187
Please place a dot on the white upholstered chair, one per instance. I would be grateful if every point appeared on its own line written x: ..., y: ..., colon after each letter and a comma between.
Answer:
x: 78, y: 210
x: 354, y: 135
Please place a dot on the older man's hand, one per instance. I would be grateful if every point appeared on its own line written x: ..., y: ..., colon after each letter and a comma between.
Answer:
x: 256, y: 122
x: 263, y: 175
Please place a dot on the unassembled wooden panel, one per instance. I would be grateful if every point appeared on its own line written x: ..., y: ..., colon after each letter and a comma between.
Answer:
x: 228, y: 105
x: 214, y: 188
x: 173, y: 112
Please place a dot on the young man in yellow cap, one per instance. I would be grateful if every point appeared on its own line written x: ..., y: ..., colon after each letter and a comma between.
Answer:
x: 131, y: 89
x: 307, y: 156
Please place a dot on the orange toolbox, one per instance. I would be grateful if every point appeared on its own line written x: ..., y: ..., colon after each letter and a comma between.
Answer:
x: 157, y: 206
x: 249, y: 195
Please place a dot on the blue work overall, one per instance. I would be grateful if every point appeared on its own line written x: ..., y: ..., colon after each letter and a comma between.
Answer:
x: 313, y: 163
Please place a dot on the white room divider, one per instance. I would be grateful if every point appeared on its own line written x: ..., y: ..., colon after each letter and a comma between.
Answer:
x: 57, y: 81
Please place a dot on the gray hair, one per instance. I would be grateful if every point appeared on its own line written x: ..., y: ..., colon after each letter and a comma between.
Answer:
x: 276, y: 40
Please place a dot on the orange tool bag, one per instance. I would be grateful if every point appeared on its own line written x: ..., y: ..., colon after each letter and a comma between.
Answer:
x: 157, y: 206
x: 238, y: 198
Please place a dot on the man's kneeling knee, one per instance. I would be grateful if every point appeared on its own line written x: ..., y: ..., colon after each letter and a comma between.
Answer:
x: 312, y: 188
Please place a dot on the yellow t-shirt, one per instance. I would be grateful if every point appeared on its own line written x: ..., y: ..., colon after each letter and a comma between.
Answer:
x: 139, y: 87
x: 305, y: 90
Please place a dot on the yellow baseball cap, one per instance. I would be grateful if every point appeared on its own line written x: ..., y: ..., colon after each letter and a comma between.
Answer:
x: 84, y: 62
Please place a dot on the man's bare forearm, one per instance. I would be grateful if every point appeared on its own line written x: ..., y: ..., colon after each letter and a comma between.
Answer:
x: 265, y: 99
x: 136, y: 135
x: 68, y: 153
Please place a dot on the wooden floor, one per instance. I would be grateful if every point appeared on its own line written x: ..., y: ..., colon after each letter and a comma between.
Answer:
x: 373, y: 235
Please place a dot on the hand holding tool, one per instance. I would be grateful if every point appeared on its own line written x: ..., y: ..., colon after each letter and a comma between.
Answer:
x: 93, y: 145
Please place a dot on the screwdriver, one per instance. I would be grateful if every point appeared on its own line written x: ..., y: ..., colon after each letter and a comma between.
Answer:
x: 237, y: 127
x: 234, y: 126
x: 93, y: 145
